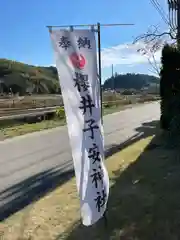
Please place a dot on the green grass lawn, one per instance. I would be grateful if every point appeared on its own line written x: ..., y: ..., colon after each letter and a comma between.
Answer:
x: 56, y: 216
x: 117, y: 108
x: 143, y: 201
x: 21, y: 129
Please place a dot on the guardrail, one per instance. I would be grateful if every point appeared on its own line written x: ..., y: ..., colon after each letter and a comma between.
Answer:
x: 28, y: 113
x: 13, y: 114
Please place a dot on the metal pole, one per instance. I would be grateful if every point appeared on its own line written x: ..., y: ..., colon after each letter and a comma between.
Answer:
x: 89, y: 25
x: 99, y: 64
x: 174, y: 5
x: 113, y: 83
x: 1, y: 88
x: 100, y: 83
x: 112, y: 70
x: 178, y: 24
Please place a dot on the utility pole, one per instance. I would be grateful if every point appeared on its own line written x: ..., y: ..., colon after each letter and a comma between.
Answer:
x: 113, y: 83
x: 112, y: 70
x: 178, y: 23
x: 1, y: 86
x: 174, y: 6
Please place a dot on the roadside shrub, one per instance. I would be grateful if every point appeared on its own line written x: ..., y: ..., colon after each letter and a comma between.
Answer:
x: 165, y: 117
x: 146, y: 99
x: 107, y: 105
x: 110, y: 97
x: 175, y: 125
x: 60, y: 113
x: 116, y: 103
x: 169, y: 86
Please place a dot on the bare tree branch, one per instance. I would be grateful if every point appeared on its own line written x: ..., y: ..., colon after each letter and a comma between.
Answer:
x: 153, y: 34
x: 150, y: 55
x: 152, y: 41
x: 155, y: 68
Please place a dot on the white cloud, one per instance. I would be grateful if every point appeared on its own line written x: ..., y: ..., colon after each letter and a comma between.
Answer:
x: 125, y: 54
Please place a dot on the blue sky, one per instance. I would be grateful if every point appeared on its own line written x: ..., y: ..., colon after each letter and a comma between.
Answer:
x: 24, y: 36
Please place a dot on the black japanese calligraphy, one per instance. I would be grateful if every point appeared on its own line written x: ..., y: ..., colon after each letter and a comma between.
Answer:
x: 100, y: 200
x: 87, y: 103
x: 81, y: 82
x: 94, y: 154
x: 91, y: 127
x: 64, y: 42
x: 97, y: 176
x: 84, y: 42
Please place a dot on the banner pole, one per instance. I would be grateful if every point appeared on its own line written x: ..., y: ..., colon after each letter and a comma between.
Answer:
x: 98, y: 25
x: 99, y: 64
x: 100, y: 83
x: 89, y: 25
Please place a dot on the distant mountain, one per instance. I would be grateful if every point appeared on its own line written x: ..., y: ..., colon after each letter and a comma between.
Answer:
x: 130, y: 81
x: 22, y: 78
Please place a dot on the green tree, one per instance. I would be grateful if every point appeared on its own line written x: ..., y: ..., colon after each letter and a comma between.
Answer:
x: 130, y: 81
x: 170, y: 86
x: 28, y: 77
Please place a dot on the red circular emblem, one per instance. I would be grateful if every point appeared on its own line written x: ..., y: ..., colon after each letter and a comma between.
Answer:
x: 78, y: 61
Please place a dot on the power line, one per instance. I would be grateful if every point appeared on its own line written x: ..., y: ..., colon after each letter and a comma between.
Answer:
x: 164, y: 15
x: 160, y: 10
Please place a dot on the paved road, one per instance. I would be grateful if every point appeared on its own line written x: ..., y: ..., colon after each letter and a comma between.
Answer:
x: 34, y: 162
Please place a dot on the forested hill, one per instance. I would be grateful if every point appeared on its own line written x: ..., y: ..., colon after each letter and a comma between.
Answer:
x: 22, y: 78
x: 127, y: 81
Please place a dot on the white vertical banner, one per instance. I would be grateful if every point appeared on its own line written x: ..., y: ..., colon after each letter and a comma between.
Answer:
x: 76, y: 63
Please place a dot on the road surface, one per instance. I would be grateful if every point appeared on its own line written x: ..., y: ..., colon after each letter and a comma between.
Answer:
x: 33, y: 163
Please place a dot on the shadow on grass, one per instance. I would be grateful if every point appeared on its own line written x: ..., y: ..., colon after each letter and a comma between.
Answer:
x: 30, y: 190
x: 144, y: 200
x: 145, y: 130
